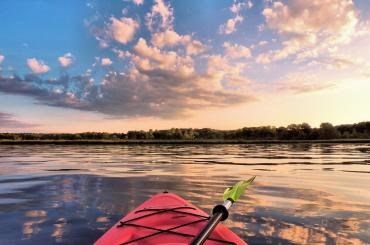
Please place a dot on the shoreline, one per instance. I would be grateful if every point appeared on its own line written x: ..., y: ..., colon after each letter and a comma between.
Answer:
x: 195, y: 142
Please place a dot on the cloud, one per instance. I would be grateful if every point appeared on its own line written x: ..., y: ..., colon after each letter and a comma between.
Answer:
x: 7, y: 121
x: 249, y: 4
x: 66, y: 60
x: 121, y: 54
x: 338, y: 61
x: 237, y: 7
x: 299, y: 83
x: 220, y: 68
x: 161, y: 17
x: 123, y: 30
x: 158, y: 83
x: 219, y: 74
x: 310, y: 25
x: 106, y: 62
x: 138, y: 2
x: 57, y: 92
x: 152, y: 56
x: 37, y: 67
x: 167, y: 38
x: 2, y: 58
x: 170, y: 38
x: 236, y: 50
x: 195, y: 47
x: 259, y: 44
x: 230, y: 25
x: 263, y: 58
x: 263, y: 43
x: 302, y: 17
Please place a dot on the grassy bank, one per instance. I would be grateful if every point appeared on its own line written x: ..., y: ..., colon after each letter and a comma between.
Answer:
x: 133, y: 142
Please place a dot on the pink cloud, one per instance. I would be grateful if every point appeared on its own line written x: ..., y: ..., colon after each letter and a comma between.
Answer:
x: 170, y: 38
x: 8, y: 122
x: 309, y: 25
x: 230, y: 25
x: 123, y: 30
x: 37, y: 67
x: 106, y: 62
x: 236, y: 51
x: 66, y: 60
x: 160, y: 17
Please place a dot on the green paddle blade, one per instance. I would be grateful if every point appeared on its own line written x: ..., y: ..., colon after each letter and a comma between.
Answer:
x: 233, y: 193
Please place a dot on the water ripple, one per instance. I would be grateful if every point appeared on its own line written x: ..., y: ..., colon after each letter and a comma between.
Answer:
x: 303, y: 194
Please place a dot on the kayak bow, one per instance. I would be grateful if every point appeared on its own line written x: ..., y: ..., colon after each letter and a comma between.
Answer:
x: 168, y: 219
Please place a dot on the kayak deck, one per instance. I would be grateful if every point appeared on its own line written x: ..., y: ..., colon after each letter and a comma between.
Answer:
x: 165, y: 219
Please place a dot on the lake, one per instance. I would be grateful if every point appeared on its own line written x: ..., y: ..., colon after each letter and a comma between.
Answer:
x: 303, y: 193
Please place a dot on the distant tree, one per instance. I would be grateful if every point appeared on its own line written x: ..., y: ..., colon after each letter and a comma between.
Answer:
x: 362, y: 129
x: 292, y: 132
x: 327, y: 131
x: 346, y: 131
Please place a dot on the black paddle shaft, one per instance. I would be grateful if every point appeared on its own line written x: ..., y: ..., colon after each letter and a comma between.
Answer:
x: 220, y: 213
x: 206, y: 232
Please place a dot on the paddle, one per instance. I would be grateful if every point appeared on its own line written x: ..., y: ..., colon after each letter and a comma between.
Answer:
x: 220, y: 212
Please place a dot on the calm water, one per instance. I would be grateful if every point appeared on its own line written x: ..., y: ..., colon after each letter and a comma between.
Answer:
x: 303, y: 194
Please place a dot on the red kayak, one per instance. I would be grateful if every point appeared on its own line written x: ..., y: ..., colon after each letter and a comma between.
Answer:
x: 165, y: 219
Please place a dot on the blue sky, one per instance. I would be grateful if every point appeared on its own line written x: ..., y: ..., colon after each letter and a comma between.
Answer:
x: 139, y: 64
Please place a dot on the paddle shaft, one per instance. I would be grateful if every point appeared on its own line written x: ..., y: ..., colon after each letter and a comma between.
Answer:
x: 220, y: 212
x: 207, y: 230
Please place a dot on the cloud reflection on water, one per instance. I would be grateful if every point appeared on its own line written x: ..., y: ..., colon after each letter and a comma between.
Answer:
x: 288, y: 205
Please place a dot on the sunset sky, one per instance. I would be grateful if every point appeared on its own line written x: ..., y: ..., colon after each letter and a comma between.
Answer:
x: 98, y: 65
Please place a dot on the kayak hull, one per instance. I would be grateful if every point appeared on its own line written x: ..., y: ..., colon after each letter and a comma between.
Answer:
x: 165, y: 219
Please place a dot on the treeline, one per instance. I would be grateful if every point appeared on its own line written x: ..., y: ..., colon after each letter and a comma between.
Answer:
x: 292, y: 132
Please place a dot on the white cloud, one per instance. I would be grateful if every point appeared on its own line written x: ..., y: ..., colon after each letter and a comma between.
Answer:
x: 263, y: 58
x: 259, y: 44
x: 230, y: 25
x: 261, y: 27
x: 123, y: 30
x: 153, y: 58
x: 37, y: 67
x: 2, y: 58
x: 138, y: 2
x: 249, y: 4
x: 171, y: 38
x: 106, y: 62
x: 167, y: 38
x: 66, y: 60
x: 121, y: 54
x: 338, y: 61
x: 236, y: 50
x: 303, y: 17
x: 219, y: 69
x: 160, y: 17
x: 194, y: 47
x: 157, y: 83
x: 263, y: 43
x: 236, y: 7
x: 310, y: 25
x: 299, y: 83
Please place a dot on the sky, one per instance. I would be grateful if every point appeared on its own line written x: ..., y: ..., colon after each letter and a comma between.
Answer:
x: 119, y: 65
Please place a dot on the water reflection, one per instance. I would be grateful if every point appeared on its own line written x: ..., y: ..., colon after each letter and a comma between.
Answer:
x: 72, y: 194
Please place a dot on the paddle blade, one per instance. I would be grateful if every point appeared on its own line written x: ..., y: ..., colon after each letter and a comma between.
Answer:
x: 233, y: 193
